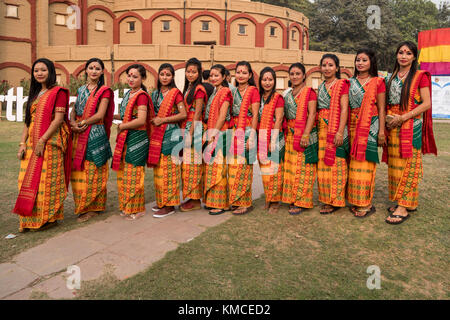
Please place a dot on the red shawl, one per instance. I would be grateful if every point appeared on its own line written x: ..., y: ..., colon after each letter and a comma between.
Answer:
x: 157, y: 136
x: 301, y: 117
x: 190, y: 114
x: 334, y: 121
x: 367, y: 110
x: 214, y: 111
x: 122, y: 136
x: 266, y: 124
x: 89, y: 110
x: 242, y: 120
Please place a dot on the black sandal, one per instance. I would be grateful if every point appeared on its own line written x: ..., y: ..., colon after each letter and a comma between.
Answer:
x: 396, y: 216
x: 45, y: 226
x: 329, y: 212
x: 215, y: 213
x: 392, y: 209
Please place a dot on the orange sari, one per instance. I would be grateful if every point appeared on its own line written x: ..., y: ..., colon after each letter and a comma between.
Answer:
x: 43, y: 181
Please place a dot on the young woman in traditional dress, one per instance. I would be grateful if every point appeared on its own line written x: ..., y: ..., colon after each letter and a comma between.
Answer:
x: 169, y: 111
x: 217, y: 119
x: 132, y: 146
x: 333, y: 136
x: 409, y: 133
x: 271, y: 139
x: 300, y: 162
x: 45, y: 151
x: 195, y: 98
x: 244, y: 114
x: 367, y: 97
x: 91, y: 121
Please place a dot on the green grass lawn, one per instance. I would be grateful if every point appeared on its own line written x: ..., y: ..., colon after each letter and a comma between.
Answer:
x: 10, y: 133
x: 263, y: 256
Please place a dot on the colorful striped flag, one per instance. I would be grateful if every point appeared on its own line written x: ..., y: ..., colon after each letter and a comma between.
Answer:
x: 434, y: 46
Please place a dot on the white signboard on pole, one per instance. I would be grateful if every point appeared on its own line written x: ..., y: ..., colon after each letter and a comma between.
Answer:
x: 441, y: 96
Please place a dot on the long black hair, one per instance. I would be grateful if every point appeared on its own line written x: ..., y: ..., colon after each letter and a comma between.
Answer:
x: 35, y: 86
x: 408, y: 81
x: 205, y: 75
x: 101, y: 80
x: 251, y: 81
x: 261, y: 89
x: 140, y: 68
x: 373, y: 71
x: 172, y: 70
x: 223, y: 72
x: 301, y: 67
x: 192, y: 62
x: 336, y: 61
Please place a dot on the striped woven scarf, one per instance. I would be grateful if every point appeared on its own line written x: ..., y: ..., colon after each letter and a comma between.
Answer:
x: 334, y: 121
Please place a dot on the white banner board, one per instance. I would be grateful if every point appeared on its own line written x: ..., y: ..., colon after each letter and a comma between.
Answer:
x: 441, y: 96
x: 15, y: 103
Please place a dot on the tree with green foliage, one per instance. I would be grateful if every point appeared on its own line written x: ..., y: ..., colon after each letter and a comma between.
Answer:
x: 444, y: 16
x: 413, y: 16
x: 346, y: 26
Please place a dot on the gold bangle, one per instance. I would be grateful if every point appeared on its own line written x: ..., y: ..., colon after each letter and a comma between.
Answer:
x: 305, y: 136
x: 338, y: 134
x: 22, y: 144
x: 83, y: 123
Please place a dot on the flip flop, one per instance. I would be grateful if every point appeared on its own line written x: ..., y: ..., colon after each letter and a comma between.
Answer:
x: 392, y: 209
x: 403, y: 218
x: 294, y: 210
x: 329, y: 212
x: 134, y: 216
x: 274, y: 208
x: 46, y: 226
x: 86, y: 216
x: 247, y: 210
x: 369, y: 212
x: 215, y: 213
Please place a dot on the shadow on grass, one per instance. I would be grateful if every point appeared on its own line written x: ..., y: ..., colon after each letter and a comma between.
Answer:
x: 278, y: 256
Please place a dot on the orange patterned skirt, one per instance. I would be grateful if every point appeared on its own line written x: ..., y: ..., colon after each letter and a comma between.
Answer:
x: 240, y: 178
x: 216, y: 183
x: 167, y: 176
x: 298, y: 176
x: 89, y: 186
x: 192, y: 174
x: 332, y: 180
x: 404, y: 174
x: 52, y: 188
x: 130, y: 183
x: 361, y: 174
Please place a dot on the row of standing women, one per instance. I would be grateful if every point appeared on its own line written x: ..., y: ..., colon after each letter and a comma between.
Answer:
x: 332, y: 135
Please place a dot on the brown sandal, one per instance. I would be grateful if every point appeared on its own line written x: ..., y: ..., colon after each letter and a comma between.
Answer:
x: 239, y: 212
x: 367, y: 212
x: 333, y: 209
x: 86, y: 216
x: 274, y: 206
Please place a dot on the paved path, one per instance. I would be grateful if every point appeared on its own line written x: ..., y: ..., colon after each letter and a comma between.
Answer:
x: 123, y: 247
